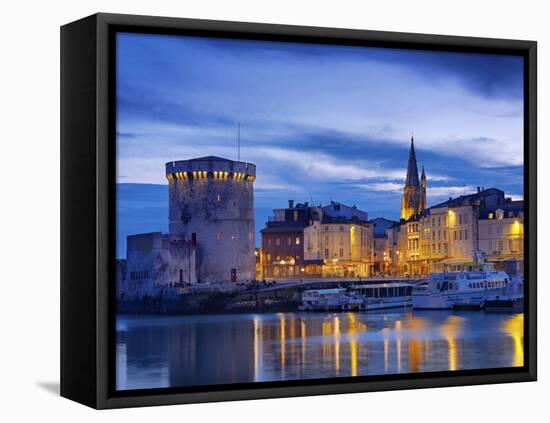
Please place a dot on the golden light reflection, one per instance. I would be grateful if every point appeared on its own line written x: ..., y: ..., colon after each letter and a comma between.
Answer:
x: 353, y: 327
x: 336, y: 337
x: 415, y: 347
x: 386, y: 354
x: 326, y: 329
x: 514, y: 328
x: 303, y: 338
x: 398, y: 325
x: 282, y: 325
x: 292, y: 333
x: 450, y: 330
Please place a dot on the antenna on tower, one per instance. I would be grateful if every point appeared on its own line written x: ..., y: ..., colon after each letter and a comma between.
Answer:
x: 239, y: 141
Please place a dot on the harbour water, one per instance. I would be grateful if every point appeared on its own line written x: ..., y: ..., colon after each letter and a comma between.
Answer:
x: 177, y: 351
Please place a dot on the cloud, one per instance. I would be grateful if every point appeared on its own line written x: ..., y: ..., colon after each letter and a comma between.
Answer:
x: 320, y: 121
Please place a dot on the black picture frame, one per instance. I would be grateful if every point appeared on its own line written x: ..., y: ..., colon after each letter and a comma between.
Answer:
x: 87, y: 210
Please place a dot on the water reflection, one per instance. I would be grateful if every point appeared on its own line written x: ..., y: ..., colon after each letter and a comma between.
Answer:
x: 204, y: 350
x: 514, y: 328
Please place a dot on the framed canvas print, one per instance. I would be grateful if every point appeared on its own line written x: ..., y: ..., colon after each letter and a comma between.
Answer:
x: 255, y: 211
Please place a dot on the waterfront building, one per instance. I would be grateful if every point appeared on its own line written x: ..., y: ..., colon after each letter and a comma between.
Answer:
x: 315, y: 241
x: 501, y: 236
x: 283, y: 242
x: 380, y: 260
x: 449, y: 233
x: 346, y: 246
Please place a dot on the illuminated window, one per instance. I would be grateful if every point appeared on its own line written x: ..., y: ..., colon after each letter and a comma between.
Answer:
x: 490, y: 215
x: 250, y: 236
x: 277, y: 242
x: 295, y: 215
x: 288, y: 241
x: 297, y: 240
x: 218, y: 236
x: 268, y: 257
x: 218, y: 198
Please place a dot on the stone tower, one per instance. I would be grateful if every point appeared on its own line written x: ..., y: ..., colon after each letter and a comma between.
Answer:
x: 211, y: 204
x: 413, y: 200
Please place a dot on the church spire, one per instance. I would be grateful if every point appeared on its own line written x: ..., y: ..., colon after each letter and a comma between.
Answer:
x: 412, y: 169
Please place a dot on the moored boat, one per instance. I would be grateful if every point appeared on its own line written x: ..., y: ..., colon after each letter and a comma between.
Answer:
x: 360, y: 298
x: 379, y: 296
x: 323, y: 299
x: 469, y: 286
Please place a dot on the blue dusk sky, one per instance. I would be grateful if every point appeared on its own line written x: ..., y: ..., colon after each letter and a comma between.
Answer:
x: 320, y: 122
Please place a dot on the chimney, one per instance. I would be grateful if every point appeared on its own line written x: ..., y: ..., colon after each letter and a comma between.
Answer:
x: 306, y: 204
x: 478, y: 189
x: 290, y: 204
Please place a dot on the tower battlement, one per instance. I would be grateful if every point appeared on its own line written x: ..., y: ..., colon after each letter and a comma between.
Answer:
x: 211, y: 167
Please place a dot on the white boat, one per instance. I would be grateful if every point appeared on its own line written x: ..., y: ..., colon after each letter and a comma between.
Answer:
x: 469, y: 287
x: 323, y: 299
x: 379, y: 296
x: 362, y: 297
